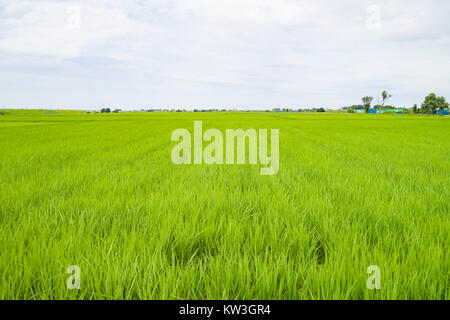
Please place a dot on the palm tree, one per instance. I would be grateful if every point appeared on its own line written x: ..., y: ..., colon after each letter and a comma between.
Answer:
x: 385, y: 96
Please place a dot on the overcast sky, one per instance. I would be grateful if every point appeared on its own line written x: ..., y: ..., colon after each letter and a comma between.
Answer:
x: 221, y: 53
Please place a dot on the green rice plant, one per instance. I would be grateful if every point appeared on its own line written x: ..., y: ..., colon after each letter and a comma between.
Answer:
x: 100, y: 191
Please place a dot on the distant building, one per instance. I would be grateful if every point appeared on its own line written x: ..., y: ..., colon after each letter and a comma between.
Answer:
x: 392, y: 111
x: 382, y: 111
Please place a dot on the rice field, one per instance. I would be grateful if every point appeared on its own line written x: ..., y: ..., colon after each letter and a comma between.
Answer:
x: 100, y: 191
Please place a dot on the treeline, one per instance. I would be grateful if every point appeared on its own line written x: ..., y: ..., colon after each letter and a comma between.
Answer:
x: 108, y: 110
x: 431, y: 105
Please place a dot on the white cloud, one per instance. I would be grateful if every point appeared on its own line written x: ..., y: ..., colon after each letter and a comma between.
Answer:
x: 63, y: 29
x: 222, y: 52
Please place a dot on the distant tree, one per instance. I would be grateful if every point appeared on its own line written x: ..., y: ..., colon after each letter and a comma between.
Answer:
x: 320, y: 110
x: 117, y: 110
x: 442, y: 104
x: 415, y: 110
x: 385, y: 96
x: 351, y: 110
x: 367, y: 101
x: 433, y: 103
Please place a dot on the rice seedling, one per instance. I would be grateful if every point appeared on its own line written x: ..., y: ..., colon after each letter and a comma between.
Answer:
x: 101, y: 192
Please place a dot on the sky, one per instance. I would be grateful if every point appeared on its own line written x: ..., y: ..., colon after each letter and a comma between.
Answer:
x: 248, y: 54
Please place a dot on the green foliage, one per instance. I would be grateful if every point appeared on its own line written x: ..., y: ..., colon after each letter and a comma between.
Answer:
x: 350, y: 193
x: 367, y: 102
x: 385, y: 96
x: 433, y: 103
x: 353, y: 107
